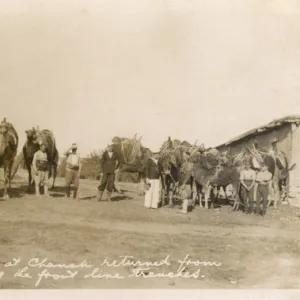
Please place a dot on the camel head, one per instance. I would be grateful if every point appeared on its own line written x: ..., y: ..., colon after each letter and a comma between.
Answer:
x: 31, y: 134
x: 4, y: 127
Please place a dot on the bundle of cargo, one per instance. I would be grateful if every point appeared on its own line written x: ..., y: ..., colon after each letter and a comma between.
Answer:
x: 127, y: 148
x: 256, y: 158
x: 236, y: 160
x: 209, y: 159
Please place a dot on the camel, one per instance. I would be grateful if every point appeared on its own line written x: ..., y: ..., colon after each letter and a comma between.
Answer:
x: 9, y: 141
x: 34, y: 136
x: 133, y: 157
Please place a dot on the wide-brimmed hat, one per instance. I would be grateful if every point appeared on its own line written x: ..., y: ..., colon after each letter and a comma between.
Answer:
x: 116, y: 140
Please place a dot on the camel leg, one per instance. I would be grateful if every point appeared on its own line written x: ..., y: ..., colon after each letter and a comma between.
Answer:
x: 54, y: 176
x: 226, y: 196
x: 236, y: 204
x: 6, y: 182
x: 194, y: 195
x: 200, y: 196
x: 273, y: 188
x: 170, y: 195
x: 276, y: 195
x: 168, y: 187
x: 218, y: 191
x: 286, y: 190
x: 236, y: 197
x: 9, y: 176
x: 207, y: 194
x: 140, y: 185
x: 271, y: 194
x: 200, y: 200
x: 212, y: 196
x: 116, y: 181
x: 28, y: 166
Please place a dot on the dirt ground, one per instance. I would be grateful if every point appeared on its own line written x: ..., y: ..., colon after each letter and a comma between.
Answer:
x: 248, y: 251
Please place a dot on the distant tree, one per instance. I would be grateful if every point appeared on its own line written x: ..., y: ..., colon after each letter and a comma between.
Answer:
x: 91, y: 168
x: 91, y: 165
x: 61, y: 169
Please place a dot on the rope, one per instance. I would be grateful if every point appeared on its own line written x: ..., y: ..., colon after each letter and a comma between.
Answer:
x: 134, y: 151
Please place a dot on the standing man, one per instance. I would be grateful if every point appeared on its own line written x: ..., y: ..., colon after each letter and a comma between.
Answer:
x: 247, y: 180
x: 40, y: 168
x: 73, y: 169
x: 109, y: 163
x: 152, y: 179
x: 263, y: 179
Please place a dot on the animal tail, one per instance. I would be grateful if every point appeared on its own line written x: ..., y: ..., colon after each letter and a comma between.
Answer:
x: 292, y: 167
x: 16, y: 163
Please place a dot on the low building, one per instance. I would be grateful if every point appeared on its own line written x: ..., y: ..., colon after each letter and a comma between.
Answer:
x: 287, y: 133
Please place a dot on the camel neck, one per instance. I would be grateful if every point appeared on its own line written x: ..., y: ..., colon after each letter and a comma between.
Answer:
x: 3, y: 144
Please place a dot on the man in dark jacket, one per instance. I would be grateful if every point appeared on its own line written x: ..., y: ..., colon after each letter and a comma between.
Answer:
x: 108, y: 164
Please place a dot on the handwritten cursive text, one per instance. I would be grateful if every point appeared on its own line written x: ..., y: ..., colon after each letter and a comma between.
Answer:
x: 35, y: 262
x: 46, y: 275
x: 127, y: 261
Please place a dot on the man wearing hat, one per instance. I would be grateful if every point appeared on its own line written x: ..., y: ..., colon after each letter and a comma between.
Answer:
x: 247, y: 180
x: 109, y: 163
x: 40, y: 167
x: 263, y: 179
x: 73, y: 168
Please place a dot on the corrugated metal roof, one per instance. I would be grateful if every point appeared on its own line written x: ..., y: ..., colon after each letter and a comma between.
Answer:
x: 295, y: 119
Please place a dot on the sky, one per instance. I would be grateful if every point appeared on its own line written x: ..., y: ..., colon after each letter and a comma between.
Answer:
x: 90, y: 70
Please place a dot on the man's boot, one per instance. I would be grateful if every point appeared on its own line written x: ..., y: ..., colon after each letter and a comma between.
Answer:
x: 117, y: 189
x: 75, y: 194
x: 46, y: 190
x: 108, y: 196
x: 100, y: 194
x: 68, y: 191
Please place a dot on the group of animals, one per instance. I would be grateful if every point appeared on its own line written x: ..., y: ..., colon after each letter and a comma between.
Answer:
x: 205, y: 169
x: 133, y: 155
x: 10, y: 161
x: 208, y: 170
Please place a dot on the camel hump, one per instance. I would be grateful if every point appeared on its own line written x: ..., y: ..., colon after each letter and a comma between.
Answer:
x: 12, y: 133
x: 47, y: 137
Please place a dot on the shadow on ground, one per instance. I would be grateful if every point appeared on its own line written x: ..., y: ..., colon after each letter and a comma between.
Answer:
x: 15, y: 192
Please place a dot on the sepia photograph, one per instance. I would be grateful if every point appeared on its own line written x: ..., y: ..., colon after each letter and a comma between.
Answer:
x: 150, y: 144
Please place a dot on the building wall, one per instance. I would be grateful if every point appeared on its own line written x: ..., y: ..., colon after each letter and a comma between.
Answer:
x: 283, y: 134
x: 295, y: 173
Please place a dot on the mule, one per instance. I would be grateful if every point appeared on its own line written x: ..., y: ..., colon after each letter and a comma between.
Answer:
x: 204, y: 178
x: 169, y: 170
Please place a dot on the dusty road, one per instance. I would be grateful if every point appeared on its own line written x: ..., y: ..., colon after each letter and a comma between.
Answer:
x: 251, y: 252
